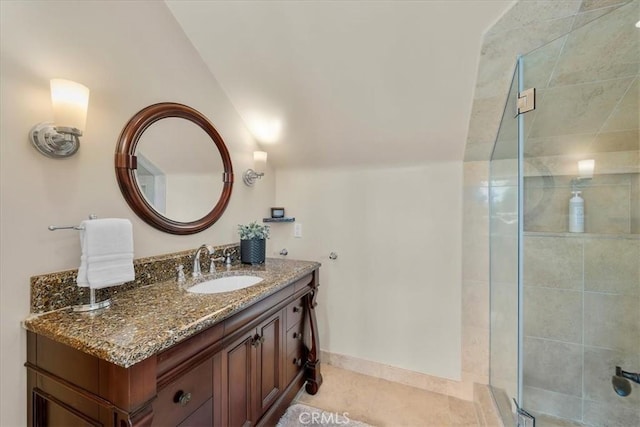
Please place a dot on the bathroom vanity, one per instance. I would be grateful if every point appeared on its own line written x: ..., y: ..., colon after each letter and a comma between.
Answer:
x: 161, y: 356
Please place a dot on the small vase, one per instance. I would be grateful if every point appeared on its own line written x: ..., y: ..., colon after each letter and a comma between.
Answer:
x: 253, y: 251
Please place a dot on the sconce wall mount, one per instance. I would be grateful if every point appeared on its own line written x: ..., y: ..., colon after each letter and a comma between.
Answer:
x: 61, y: 138
x: 250, y: 176
x: 55, y: 142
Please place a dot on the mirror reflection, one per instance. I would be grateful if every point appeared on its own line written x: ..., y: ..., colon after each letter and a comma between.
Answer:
x: 179, y: 169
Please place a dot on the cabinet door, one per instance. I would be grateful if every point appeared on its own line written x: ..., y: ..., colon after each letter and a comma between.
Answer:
x: 238, y: 381
x: 270, y: 352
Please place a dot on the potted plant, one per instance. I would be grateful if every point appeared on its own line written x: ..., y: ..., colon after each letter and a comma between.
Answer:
x: 253, y: 238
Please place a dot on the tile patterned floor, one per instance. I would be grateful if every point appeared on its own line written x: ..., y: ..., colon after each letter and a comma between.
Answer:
x: 384, y: 403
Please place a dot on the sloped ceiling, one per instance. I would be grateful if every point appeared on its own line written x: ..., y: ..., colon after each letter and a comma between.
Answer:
x: 341, y: 83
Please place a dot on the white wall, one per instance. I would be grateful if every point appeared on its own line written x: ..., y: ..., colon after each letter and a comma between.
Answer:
x: 130, y: 54
x: 393, y: 294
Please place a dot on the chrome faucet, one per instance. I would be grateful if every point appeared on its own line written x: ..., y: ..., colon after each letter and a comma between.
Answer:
x: 196, y: 260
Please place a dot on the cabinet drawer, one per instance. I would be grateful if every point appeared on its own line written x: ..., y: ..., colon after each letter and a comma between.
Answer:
x: 295, y: 338
x: 294, y: 363
x: 202, y: 417
x: 184, y: 396
x: 295, y: 311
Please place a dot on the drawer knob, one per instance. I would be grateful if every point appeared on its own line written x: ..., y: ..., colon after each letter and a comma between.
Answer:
x: 296, y: 309
x: 297, y: 362
x: 182, y: 398
x: 257, y: 340
x: 297, y: 336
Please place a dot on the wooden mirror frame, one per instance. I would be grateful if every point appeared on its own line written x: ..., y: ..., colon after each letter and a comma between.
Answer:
x: 126, y: 164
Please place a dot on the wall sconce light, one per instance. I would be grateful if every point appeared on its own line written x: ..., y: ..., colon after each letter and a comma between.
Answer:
x: 62, y: 137
x: 586, y: 168
x: 259, y: 165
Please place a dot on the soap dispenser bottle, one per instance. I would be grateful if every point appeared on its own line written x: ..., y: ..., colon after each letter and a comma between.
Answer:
x: 576, y: 213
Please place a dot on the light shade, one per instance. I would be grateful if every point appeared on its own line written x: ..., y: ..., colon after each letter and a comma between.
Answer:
x: 586, y: 168
x: 69, y: 100
x: 259, y: 161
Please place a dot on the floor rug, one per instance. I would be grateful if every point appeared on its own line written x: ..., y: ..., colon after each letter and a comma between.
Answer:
x: 302, y: 415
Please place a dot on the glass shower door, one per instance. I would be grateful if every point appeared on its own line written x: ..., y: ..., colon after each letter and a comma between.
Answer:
x: 504, y: 260
x: 581, y: 290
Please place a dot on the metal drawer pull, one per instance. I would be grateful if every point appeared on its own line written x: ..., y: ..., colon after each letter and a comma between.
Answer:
x: 182, y: 398
x: 297, y: 336
x: 297, y: 362
x: 297, y: 309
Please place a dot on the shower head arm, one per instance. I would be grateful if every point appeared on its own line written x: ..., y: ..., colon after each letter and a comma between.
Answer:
x: 633, y: 376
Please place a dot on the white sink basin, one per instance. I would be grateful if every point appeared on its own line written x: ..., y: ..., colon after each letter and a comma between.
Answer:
x: 224, y: 284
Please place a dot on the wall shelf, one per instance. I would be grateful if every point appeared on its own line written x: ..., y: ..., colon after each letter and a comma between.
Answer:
x: 285, y: 219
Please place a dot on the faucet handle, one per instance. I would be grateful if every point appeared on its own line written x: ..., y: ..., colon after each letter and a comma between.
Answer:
x: 181, y: 277
x: 212, y: 263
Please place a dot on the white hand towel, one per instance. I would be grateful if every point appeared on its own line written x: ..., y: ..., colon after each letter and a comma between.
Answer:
x: 107, y: 253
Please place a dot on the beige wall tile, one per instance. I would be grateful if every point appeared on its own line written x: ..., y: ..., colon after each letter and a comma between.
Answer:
x: 540, y: 63
x: 475, y: 257
x: 554, y: 145
x: 635, y: 203
x: 612, y: 265
x: 553, y: 366
x: 485, y: 119
x: 554, y: 262
x: 475, y: 350
x: 613, y: 162
x: 475, y: 215
x: 607, y: 209
x: 502, y: 69
x: 476, y: 174
x: 576, y: 109
x: 504, y: 210
x: 504, y: 360
x: 610, y: 415
x: 504, y: 309
x: 529, y: 12
x: 475, y: 304
x: 618, y: 140
x: 625, y: 115
x: 504, y: 259
x: 477, y: 151
x: 553, y: 313
x: 587, y: 16
x: 612, y: 41
x: 546, y: 208
x: 612, y: 321
x: 598, y: 4
x: 548, y: 402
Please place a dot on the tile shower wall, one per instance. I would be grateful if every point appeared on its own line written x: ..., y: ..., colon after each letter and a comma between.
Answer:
x: 581, y: 319
x: 475, y: 273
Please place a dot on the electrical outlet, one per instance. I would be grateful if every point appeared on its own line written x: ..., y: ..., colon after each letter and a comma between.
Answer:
x: 297, y: 230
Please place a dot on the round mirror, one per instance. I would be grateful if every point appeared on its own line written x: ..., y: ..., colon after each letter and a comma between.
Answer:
x: 176, y: 175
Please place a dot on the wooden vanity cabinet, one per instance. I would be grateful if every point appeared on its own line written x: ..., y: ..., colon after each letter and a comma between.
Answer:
x: 243, y: 371
x: 253, y: 377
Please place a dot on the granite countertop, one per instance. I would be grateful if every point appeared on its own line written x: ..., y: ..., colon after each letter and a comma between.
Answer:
x: 146, y: 320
